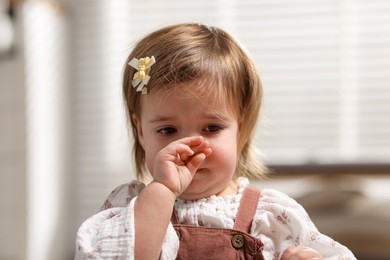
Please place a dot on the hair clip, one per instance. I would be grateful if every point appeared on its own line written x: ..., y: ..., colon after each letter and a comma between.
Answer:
x: 141, y: 77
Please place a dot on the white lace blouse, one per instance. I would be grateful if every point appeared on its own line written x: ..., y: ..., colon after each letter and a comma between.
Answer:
x: 280, y: 222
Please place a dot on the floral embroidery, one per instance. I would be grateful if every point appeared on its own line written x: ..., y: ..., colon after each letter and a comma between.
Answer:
x: 111, y: 215
x: 135, y: 188
x: 107, y: 204
x: 314, y: 236
x: 128, y: 200
x: 283, y: 218
x: 95, y: 252
x: 297, y: 241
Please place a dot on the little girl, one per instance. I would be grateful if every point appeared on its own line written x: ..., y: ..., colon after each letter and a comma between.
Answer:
x: 193, y: 98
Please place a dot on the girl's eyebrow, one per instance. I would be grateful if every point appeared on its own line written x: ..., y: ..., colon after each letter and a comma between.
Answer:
x: 159, y: 119
x: 207, y: 116
x: 216, y: 116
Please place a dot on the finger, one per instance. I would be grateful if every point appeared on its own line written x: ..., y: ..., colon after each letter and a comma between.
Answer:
x: 201, y: 145
x: 206, y: 151
x: 194, y: 163
x: 191, y: 141
x: 181, y: 151
x: 183, y: 157
x: 197, y: 144
x: 296, y: 253
x: 176, y: 152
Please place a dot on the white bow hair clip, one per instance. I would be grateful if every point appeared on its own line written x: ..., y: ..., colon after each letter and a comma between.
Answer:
x: 141, y: 77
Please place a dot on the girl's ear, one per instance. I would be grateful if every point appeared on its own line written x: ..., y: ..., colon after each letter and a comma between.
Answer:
x: 137, y: 124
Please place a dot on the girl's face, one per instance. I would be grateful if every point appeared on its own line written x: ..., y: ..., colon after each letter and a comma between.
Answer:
x: 172, y: 116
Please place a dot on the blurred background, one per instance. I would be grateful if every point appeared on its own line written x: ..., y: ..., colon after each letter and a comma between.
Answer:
x: 324, y: 131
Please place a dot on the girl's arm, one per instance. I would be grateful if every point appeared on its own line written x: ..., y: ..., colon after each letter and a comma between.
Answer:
x: 153, y: 211
x: 110, y: 234
x: 173, y: 169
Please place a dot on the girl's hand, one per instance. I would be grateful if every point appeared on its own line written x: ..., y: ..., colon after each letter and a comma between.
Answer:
x: 300, y: 253
x: 175, y: 165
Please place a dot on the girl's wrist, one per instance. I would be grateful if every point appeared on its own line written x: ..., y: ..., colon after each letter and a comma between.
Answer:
x: 163, y: 190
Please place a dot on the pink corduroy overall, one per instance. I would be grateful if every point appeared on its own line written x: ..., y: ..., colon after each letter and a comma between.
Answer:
x: 197, y: 242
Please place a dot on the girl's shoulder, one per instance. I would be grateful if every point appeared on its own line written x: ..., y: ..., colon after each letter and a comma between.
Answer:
x: 269, y: 197
x: 274, y: 197
x: 123, y: 194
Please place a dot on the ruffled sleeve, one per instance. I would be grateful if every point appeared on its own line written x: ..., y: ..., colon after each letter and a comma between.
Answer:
x: 107, y: 235
x: 110, y: 234
x: 281, y: 222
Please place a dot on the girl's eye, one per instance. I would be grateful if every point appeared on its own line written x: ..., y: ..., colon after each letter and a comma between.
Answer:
x: 167, y: 130
x: 213, y: 128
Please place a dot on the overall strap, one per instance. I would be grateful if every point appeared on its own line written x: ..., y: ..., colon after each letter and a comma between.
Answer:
x: 247, y: 209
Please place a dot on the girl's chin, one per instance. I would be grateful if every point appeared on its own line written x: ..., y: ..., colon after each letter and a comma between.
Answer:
x: 193, y: 194
x: 195, y: 191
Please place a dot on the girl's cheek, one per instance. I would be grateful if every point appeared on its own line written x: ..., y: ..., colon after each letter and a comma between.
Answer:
x: 150, y: 155
x: 149, y: 164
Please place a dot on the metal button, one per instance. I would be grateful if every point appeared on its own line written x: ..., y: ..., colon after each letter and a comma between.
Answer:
x: 238, y: 241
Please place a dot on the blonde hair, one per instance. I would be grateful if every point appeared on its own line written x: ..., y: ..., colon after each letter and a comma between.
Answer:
x: 188, y: 53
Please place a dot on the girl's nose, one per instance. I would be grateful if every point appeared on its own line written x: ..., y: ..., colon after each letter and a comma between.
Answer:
x: 190, y: 133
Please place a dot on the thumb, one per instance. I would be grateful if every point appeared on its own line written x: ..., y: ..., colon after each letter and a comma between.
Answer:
x: 195, y: 162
